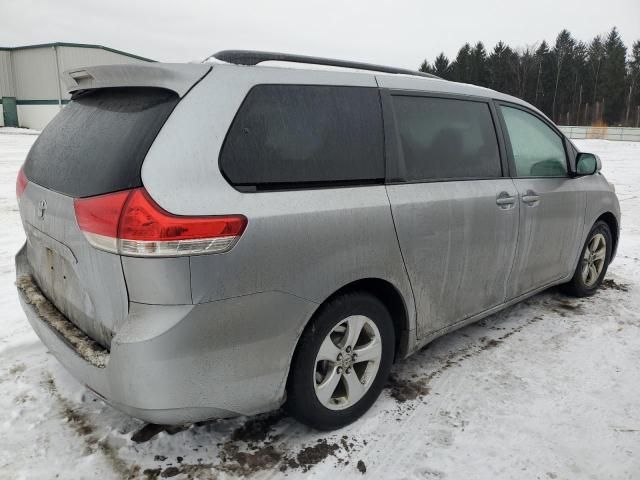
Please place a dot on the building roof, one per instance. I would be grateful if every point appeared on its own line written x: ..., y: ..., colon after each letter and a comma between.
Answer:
x: 77, y: 45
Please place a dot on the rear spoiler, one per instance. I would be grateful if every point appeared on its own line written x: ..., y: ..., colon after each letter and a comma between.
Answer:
x: 178, y: 77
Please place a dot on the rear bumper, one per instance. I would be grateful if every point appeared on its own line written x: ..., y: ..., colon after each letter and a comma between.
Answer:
x: 173, y: 364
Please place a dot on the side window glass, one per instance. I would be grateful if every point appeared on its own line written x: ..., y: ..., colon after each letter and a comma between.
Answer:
x: 446, y: 138
x: 538, y: 151
x: 302, y: 135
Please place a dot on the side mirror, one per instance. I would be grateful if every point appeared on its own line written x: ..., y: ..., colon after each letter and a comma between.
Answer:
x: 587, y: 164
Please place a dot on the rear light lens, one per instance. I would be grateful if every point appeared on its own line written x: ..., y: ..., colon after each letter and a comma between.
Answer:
x: 131, y: 223
x: 21, y: 183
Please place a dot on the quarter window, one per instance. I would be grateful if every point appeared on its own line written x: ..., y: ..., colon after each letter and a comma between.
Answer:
x: 538, y: 151
x: 291, y: 136
x: 446, y: 138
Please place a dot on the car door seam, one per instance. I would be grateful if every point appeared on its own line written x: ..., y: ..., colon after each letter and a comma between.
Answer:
x: 404, y: 262
x: 517, y: 246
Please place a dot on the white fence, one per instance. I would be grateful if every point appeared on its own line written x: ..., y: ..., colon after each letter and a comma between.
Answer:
x: 603, y: 133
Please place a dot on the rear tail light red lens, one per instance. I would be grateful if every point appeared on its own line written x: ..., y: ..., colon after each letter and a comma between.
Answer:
x: 21, y: 183
x: 132, y: 223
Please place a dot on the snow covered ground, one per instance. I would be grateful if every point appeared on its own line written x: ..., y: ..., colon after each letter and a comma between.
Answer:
x: 547, y: 389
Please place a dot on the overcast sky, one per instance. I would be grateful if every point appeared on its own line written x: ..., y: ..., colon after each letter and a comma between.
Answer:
x: 400, y: 33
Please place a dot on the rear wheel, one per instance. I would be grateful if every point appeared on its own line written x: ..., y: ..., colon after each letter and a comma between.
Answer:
x: 342, y: 362
x: 593, y: 263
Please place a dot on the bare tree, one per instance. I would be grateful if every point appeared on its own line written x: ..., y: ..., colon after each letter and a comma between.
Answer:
x: 523, y: 62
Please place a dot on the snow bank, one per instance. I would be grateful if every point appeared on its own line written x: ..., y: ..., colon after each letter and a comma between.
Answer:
x: 18, y: 131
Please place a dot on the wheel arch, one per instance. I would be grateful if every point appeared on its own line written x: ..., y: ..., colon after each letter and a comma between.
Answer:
x: 612, y: 222
x: 391, y: 297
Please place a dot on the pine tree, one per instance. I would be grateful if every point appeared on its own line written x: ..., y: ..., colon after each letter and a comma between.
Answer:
x: 580, y: 73
x: 613, y: 77
x: 442, y: 67
x: 633, y: 98
x: 561, y: 53
x: 595, y: 57
x: 596, y: 54
x: 479, y: 71
x: 544, y: 78
x: 571, y: 82
x: 502, y: 69
x: 425, y: 67
x: 462, y: 65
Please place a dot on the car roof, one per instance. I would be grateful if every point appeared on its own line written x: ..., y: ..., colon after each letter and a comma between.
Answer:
x: 438, y: 85
x: 349, y: 76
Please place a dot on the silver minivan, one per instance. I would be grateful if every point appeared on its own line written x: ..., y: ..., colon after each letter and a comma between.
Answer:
x: 218, y: 239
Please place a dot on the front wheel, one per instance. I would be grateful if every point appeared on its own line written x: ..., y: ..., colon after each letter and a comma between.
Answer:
x: 593, y: 263
x: 342, y: 362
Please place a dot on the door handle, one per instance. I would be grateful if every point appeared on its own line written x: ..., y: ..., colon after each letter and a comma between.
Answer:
x: 531, y: 197
x: 504, y: 199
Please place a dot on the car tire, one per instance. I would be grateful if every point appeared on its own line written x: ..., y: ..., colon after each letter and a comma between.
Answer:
x: 589, y: 272
x: 327, y: 387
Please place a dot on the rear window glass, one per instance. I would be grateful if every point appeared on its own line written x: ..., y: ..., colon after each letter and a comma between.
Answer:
x: 97, y: 143
x: 446, y: 138
x: 288, y: 136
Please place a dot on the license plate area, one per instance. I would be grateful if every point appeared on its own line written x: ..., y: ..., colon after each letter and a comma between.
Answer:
x: 53, y: 266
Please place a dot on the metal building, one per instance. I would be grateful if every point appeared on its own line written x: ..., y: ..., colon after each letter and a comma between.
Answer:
x: 31, y: 89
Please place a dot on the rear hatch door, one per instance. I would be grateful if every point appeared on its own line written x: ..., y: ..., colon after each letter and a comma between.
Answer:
x: 94, y: 146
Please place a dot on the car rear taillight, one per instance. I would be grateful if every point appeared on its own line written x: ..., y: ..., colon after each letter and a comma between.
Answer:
x: 131, y: 223
x: 21, y: 183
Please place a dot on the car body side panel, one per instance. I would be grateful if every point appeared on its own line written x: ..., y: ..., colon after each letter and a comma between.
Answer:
x: 232, y: 354
x: 549, y: 232
x: 458, y: 245
x: 172, y: 364
x: 158, y: 281
x: 600, y: 199
x: 181, y: 168
x: 307, y: 243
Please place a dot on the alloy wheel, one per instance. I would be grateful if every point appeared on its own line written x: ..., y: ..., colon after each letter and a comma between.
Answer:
x: 593, y: 259
x: 347, y: 362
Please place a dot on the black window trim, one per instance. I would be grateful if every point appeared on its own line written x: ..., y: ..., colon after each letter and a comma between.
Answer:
x: 301, y: 186
x: 507, y: 141
x: 394, y: 155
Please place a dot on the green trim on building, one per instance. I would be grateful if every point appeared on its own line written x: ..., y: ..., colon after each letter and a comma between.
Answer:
x: 78, y: 45
x: 41, y: 102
